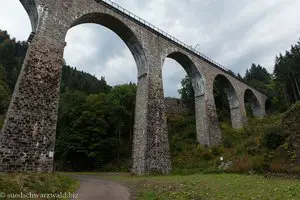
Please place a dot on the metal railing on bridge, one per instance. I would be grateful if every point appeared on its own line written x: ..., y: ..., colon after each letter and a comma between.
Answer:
x: 127, y: 12
x: 170, y: 37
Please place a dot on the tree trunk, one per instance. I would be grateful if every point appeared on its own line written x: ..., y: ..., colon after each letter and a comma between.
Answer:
x: 297, y: 86
x: 294, y: 91
x: 119, y: 142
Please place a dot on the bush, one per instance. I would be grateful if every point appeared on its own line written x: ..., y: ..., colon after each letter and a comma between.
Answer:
x: 241, y: 165
x: 230, y: 136
x: 247, y: 164
x: 258, y: 164
x: 195, y: 159
x: 273, y: 138
x: 208, y: 155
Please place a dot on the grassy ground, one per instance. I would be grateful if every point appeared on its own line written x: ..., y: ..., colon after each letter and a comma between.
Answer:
x: 222, y: 186
x: 207, y: 187
x: 29, y: 183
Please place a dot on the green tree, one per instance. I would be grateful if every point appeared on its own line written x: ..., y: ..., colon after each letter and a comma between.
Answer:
x: 83, y: 140
x: 121, y: 104
x: 12, y: 54
x: 4, y: 93
x: 258, y: 73
x: 72, y: 79
x: 221, y: 100
x: 187, y: 94
x: 287, y: 74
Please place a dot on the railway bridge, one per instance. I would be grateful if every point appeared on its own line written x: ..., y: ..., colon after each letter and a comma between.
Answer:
x: 27, y: 137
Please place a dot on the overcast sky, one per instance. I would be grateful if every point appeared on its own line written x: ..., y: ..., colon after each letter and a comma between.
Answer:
x: 235, y: 33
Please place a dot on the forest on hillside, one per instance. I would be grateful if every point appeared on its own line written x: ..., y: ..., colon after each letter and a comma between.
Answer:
x: 95, y: 122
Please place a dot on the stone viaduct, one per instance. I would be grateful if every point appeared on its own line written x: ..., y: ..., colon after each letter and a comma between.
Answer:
x: 28, y: 135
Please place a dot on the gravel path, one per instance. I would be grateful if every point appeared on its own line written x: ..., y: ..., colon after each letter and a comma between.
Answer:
x: 92, y: 188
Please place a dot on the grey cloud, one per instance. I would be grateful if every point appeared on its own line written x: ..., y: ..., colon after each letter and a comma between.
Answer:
x: 100, y: 42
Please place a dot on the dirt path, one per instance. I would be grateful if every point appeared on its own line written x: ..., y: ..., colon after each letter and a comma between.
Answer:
x: 92, y: 188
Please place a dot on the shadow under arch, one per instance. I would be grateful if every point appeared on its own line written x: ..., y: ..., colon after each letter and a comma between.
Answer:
x: 252, y: 106
x: 123, y: 31
x: 222, y: 85
x: 199, y: 93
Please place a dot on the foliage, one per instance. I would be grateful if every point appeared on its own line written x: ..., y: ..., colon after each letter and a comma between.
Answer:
x: 244, y: 150
x: 257, y: 73
x: 194, y: 159
x: 287, y: 75
x: 187, y: 94
x: 273, y: 138
x: 12, y: 54
x: 81, y: 81
x: 182, y: 132
x: 221, y: 100
x: 286, y: 158
x: 4, y: 92
x: 95, y: 129
x: 231, y: 137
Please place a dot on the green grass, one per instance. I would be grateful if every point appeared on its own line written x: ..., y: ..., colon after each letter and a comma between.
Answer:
x: 36, y: 183
x: 207, y: 187
x: 221, y: 186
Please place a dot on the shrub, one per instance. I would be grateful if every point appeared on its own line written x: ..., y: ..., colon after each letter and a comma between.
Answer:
x: 230, y: 136
x: 247, y: 163
x: 278, y: 167
x: 216, y: 151
x: 273, y: 138
x: 259, y: 164
x: 208, y: 155
x: 241, y: 165
x: 252, y: 147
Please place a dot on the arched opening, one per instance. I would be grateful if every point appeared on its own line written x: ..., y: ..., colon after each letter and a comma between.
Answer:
x: 32, y: 12
x: 226, y: 100
x: 252, y: 105
x: 96, y: 114
x: 122, y: 31
x: 183, y: 82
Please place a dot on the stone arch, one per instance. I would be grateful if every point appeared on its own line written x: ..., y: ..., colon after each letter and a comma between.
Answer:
x: 251, y: 98
x: 198, y: 82
x: 32, y: 12
x: 191, y: 69
x: 233, y: 100
x: 123, y: 31
x: 141, y: 125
